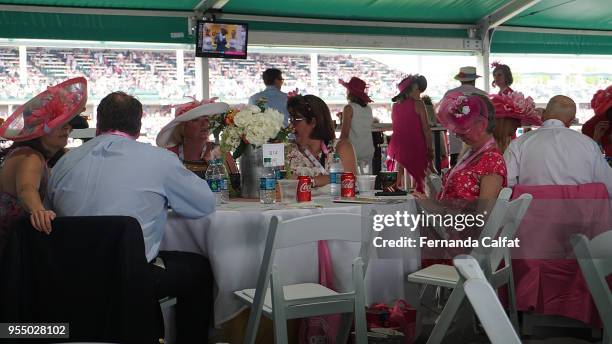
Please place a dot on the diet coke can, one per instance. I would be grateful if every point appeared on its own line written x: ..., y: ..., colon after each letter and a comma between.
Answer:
x: 348, y: 185
x: 303, y: 189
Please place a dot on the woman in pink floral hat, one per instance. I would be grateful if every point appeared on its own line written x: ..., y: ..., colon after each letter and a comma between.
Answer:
x: 411, y: 144
x: 598, y: 127
x: 512, y: 110
x: 481, y: 172
x: 473, y: 184
x: 39, y: 129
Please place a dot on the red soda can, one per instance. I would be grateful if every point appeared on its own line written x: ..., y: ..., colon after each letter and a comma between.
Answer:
x: 348, y: 185
x: 303, y: 190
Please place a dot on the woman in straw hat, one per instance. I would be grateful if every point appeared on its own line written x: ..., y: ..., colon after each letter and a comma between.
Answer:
x: 187, y: 134
x: 39, y: 130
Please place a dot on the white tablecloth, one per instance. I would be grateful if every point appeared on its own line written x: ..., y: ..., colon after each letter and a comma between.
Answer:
x: 233, y: 239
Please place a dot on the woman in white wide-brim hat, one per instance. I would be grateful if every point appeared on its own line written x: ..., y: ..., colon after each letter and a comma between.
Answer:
x: 187, y: 134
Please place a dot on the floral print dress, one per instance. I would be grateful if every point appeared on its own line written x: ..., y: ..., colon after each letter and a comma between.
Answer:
x: 297, y: 160
x: 465, y: 184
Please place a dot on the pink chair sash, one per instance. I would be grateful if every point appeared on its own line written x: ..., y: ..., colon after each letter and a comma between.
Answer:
x: 547, y: 277
x: 326, y: 271
x: 322, y: 328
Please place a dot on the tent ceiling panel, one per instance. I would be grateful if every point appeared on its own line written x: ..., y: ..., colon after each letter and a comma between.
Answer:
x: 424, y: 11
x: 82, y: 27
x: 163, y: 28
x: 567, y: 14
x: 546, y: 43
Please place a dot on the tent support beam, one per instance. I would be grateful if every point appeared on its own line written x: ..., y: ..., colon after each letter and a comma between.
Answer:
x: 291, y: 20
x: 555, y: 31
x: 326, y: 40
x: 505, y: 13
x: 95, y: 11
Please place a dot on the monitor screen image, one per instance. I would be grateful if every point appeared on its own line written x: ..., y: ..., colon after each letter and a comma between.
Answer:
x: 221, y: 39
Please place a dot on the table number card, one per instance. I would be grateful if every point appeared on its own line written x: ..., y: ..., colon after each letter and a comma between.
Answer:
x: 276, y: 153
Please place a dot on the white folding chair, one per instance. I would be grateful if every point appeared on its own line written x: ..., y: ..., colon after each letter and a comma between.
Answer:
x: 503, y: 222
x: 282, y: 302
x: 595, y: 260
x: 484, y: 301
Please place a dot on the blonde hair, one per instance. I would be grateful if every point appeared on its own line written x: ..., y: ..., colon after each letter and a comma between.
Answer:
x: 178, y: 134
x: 502, y: 133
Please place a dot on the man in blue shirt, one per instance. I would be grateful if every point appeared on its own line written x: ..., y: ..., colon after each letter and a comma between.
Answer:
x: 275, y: 98
x: 113, y: 174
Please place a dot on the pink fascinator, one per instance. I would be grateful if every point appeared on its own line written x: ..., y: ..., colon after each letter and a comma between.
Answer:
x: 458, y: 112
x: 515, y: 105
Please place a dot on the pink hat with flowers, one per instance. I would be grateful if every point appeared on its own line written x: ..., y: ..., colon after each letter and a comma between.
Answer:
x: 48, y: 110
x: 515, y: 105
x: 602, y: 101
x: 459, y: 112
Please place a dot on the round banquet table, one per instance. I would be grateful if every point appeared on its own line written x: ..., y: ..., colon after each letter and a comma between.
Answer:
x: 233, y: 239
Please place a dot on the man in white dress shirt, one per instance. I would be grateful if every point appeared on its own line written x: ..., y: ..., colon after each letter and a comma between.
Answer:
x: 555, y: 154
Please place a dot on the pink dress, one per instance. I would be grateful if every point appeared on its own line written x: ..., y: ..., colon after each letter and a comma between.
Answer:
x: 464, y: 184
x: 408, y: 145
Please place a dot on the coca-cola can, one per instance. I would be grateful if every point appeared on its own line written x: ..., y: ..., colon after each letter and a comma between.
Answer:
x: 348, y: 185
x: 303, y: 190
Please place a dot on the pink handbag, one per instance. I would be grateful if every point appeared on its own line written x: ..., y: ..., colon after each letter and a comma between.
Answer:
x: 401, y: 317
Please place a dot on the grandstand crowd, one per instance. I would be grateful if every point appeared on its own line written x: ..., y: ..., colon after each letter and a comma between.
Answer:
x: 152, y: 76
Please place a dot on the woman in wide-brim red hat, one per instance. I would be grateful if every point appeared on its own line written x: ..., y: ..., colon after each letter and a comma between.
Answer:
x: 39, y: 130
x: 357, y: 121
x: 598, y: 127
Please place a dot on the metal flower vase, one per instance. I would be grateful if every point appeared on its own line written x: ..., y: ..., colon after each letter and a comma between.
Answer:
x: 251, y: 170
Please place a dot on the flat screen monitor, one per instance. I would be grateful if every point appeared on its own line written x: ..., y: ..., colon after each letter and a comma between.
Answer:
x: 221, y: 39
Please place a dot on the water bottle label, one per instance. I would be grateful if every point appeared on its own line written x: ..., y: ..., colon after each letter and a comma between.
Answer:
x: 267, y: 184
x: 214, y: 185
x: 335, y: 177
x: 224, y: 185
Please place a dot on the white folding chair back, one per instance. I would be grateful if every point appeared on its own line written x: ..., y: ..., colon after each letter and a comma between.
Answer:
x: 501, y: 224
x: 503, y: 221
x: 282, y: 302
x: 595, y: 260
x: 485, y: 303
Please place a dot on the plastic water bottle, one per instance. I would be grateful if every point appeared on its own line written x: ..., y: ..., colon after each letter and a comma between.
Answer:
x: 224, y: 182
x: 213, y: 180
x: 267, y: 183
x: 335, y: 175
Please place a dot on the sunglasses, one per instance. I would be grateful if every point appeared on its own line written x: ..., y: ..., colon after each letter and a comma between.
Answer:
x: 296, y: 119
